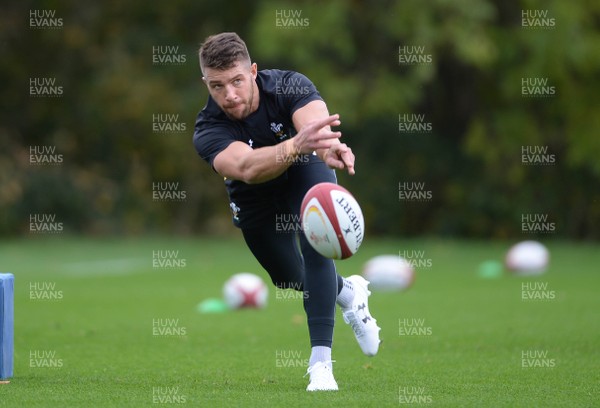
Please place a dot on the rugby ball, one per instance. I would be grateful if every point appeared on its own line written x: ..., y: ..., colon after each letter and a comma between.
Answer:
x: 245, y: 290
x: 527, y: 258
x: 389, y: 273
x: 332, y: 221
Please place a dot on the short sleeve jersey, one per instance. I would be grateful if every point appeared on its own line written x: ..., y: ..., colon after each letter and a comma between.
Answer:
x: 281, y: 94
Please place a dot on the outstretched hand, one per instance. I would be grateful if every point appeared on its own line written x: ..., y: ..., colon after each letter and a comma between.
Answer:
x: 317, y: 135
x: 340, y: 156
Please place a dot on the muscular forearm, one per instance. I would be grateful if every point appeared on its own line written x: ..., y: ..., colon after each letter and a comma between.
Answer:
x: 266, y: 163
x: 240, y: 162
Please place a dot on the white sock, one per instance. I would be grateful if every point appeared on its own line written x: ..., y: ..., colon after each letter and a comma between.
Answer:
x: 319, y: 353
x: 346, y: 295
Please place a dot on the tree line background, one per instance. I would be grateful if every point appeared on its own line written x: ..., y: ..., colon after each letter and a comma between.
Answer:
x: 467, y: 88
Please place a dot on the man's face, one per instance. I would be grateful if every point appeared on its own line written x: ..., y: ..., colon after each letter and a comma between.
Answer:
x: 233, y: 89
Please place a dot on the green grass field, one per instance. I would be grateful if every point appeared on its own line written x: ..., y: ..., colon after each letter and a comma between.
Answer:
x: 95, y: 344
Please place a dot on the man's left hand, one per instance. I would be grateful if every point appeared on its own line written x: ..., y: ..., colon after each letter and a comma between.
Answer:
x: 340, y: 156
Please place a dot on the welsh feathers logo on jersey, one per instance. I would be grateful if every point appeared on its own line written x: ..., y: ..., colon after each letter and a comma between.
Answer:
x: 277, y: 128
x: 235, y: 210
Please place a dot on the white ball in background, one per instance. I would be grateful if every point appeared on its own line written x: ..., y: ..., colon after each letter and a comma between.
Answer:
x: 245, y: 290
x: 389, y: 273
x: 527, y: 258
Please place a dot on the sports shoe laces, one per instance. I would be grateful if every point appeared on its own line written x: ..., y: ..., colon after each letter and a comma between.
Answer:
x: 317, y: 365
x: 354, y: 323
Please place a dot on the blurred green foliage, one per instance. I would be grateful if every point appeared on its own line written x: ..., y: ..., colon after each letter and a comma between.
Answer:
x: 469, y: 91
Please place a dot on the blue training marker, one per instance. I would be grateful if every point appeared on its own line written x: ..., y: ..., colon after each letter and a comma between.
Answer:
x: 7, y: 322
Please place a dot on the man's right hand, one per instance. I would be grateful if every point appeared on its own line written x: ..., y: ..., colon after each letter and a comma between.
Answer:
x: 316, y: 135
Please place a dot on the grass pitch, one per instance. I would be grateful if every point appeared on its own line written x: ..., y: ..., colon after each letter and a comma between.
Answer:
x: 100, y: 323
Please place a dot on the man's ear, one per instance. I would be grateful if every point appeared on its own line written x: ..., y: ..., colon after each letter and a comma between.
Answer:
x: 254, y: 70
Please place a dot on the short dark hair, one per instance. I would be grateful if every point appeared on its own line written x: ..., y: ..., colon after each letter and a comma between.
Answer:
x: 222, y: 51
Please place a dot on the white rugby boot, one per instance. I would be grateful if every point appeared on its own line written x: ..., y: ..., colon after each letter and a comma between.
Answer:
x: 321, y: 377
x: 359, y: 318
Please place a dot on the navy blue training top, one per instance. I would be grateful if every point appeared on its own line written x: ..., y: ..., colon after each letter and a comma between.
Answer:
x: 281, y: 93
